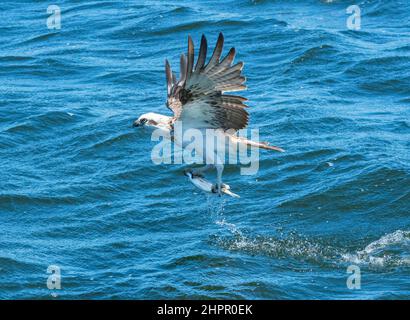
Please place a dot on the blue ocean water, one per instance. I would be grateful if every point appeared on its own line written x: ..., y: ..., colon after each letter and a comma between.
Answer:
x: 79, y: 190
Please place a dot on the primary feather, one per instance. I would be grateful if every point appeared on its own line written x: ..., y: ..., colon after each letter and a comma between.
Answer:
x: 197, y: 98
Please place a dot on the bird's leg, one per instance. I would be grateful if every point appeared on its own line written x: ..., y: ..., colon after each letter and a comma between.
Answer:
x: 219, y: 170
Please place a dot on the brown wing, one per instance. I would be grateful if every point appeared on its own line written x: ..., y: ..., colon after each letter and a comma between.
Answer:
x: 198, y: 98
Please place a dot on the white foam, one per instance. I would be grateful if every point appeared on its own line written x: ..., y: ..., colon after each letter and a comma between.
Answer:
x: 378, y: 252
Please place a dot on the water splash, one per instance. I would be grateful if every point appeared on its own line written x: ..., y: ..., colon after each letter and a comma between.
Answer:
x: 281, y: 247
x: 216, y: 210
x: 388, y: 251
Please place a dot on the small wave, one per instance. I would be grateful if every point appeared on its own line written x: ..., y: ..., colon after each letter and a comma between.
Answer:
x: 383, y: 9
x: 392, y: 80
x: 93, y: 5
x: 384, y: 252
x: 318, y: 52
x: 40, y: 38
x: 48, y: 119
x: 10, y: 200
x: 198, y: 25
x: 8, y: 263
x: 178, y: 10
x: 107, y: 142
x: 15, y: 58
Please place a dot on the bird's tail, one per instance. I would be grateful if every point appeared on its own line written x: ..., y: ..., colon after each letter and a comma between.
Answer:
x: 260, y: 144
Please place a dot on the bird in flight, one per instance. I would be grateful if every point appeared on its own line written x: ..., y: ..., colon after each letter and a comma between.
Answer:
x: 199, y: 101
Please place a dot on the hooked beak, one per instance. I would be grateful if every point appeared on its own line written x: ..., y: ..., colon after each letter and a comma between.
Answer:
x: 139, y: 122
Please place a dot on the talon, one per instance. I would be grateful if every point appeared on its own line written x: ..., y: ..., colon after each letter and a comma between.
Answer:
x: 219, y: 189
x: 225, y: 186
x: 214, y: 188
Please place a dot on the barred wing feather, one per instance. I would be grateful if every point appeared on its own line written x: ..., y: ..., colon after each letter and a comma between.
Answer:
x: 198, y: 98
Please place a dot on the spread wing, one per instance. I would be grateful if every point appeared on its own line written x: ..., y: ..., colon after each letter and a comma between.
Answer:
x: 197, y: 98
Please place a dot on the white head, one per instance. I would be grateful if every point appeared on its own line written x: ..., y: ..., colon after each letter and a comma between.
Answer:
x: 152, y: 119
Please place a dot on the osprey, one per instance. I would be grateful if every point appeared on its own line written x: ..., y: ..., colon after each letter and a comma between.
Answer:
x: 198, y: 101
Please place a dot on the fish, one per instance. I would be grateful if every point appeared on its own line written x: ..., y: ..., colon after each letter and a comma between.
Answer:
x: 205, y: 185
